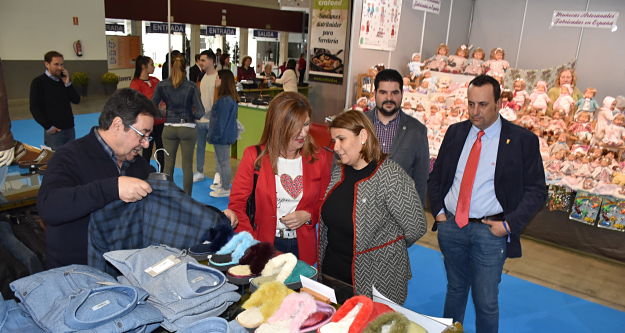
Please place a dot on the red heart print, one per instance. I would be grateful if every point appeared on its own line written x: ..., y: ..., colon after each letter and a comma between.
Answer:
x: 293, y: 187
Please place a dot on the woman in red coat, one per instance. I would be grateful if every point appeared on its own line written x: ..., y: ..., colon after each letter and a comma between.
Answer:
x: 292, y: 178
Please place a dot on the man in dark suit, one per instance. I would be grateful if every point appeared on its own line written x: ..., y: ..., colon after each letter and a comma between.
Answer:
x: 487, y: 184
x: 401, y: 136
x: 195, y: 72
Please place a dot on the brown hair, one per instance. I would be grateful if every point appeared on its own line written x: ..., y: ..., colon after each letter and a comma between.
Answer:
x: 573, y: 76
x: 177, y: 71
x: 227, y: 87
x: 442, y: 46
x: 355, y: 121
x: 285, y: 118
x: 245, y: 59
x: 495, y: 50
x: 51, y: 54
x: 478, y: 50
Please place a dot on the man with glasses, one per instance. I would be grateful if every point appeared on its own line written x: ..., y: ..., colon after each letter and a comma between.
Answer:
x: 87, y: 174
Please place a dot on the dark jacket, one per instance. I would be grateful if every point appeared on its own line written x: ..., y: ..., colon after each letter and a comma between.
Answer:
x: 222, y: 128
x: 519, y: 176
x: 183, y: 103
x: 50, y: 102
x: 6, y: 137
x: 81, y: 178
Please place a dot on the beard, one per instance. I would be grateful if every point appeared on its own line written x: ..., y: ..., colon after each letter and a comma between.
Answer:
x: 388, y: 113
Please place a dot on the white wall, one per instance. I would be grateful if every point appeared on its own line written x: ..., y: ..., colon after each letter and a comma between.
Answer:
x: 30, y: 28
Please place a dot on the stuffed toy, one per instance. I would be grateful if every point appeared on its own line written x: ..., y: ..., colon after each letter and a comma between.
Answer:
x: 618, y: 178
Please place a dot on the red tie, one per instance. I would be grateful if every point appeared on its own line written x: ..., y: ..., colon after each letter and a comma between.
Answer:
x: 466, y: 186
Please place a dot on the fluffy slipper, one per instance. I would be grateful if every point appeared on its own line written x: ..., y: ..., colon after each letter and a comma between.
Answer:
x: 303, y: 269
x: 354, y: 315
x: 393, y: 322
x: 293, y: 311
x: 262, y: 304
x: 318, y: 318
x: 257, y: 257
x: 214, y: 239
x: 230, y: 253
x: 279, y: 268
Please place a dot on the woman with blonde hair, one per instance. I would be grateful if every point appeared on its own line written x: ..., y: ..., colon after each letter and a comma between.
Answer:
x: 292, y: 174
x: 371, y: 213
x: 565, y: 76
x: 184, y: 107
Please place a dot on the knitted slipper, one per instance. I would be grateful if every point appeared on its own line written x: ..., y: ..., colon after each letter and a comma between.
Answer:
x: 262, y: 304
x: 230, y: 253
x: 393, y: 322
x: 293, y: 311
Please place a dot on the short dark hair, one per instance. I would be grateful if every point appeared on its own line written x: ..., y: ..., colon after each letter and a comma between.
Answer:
x: 51, y: 54
x: 222, y: 58
x: 210, y: 54
x: 291, y: 64
x: 127, y: 104
x: 197, y: 57
x: 483, y: 79
x: 218, y: 50
x: 389, y: 75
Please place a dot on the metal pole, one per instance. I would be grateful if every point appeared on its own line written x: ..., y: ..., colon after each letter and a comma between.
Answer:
x: 518, y: 51
x: 581, y: 34
x: 169, y: 35
x: 451, y: 8
x: 470, y: 23
x: 425, y: 16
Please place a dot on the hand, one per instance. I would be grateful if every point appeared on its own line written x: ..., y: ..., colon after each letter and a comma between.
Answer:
x: 6, y: 156
x: 296, y: 219
x: 441, y: 217
x: 52, y: 130
x: 496, y: 227
x: 234, y: 221
x: 65, y: 77
x: 132, y: 189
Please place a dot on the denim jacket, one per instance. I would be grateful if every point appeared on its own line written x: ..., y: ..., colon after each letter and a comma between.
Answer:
x: 183, y: 103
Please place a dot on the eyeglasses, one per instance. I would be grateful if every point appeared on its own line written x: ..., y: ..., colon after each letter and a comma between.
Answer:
x: 143, y: 136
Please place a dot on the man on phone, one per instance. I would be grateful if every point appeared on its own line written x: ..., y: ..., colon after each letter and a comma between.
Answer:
x: 51, y: 95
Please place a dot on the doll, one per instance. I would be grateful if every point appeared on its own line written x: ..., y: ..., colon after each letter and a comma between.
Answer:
x: 361, y: 104
x: 435, y: 119
x: 520, y: 96
x: 603, y: 173
x: 539, y: 98
x: 496, y: 65
x: 581, y: 128
x: 554, y: 165
x: 556, y: 124
x: 475, y: 64
x: 569, y: 165
x: 596, y: 153
x: 419, y: 113
x: 438, y: 61
x: 424, y: 87
x: 457, y: 62
x: 408, y: 86
x: 586, y: 168
x: 588, y: 102
x: 415, y: 65
x: 606, y: 113
x: 614, y: 134
x: 529, y: 120
x: 453, y: 117
x: 543, y: 146
x: 506, y: 106
x: 564, y: 102
x: 560, y: 144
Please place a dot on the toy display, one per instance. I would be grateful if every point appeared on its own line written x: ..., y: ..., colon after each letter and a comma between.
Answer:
x: 475, y: 65
x: 438, y: 61
x: 496, y: 65
x: 588, y: 102
x: 586, y: 207
x: 559, y: 198
x: 612, y: 214
x: 457, y: 62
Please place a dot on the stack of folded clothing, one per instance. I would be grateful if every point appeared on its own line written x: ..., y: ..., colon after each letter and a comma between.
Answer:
x: 81, y: 298
x: 183, y: 290
x: 15, y: 319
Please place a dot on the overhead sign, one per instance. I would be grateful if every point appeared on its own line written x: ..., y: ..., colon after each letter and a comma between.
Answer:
x: 213, y: 30
x: 265, y: 33
x: 161, y: 28
x: 430, y: 6
x: 327, y: 40
x: 583, y: 19
x: 115, y: 27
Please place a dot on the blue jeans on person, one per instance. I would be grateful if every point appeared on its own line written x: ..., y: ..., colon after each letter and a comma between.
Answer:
x: 18, y: 250
x: 474, y: 259
x: 202, y: 137
x: 286, y: 245
x: 222, y: 159
x: 56, y: 140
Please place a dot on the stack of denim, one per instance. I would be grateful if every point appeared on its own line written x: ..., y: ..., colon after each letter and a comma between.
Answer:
x: 77, y: 298
x: 183, y: 290
x: 14, y: 319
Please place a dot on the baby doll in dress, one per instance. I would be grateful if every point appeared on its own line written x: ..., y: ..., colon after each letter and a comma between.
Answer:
x: 439, y: 60
x: 457, y: 62
x: 454, y: 116
x: 560, y: 144
x: 419, y: 112
x: 557, y: 124
x: 424, y: 87
x: 529, y: 120
x: 586, y: 168
x: 564, y: 102
x: 435, y: 119
x: 603, y: 173
x: 543, y: 146
x: 554, y: 165
x: 588, y: 103
x: 496, y: 65
x: 415, y: 65
x: 475, y: 65
x: 539, y: 98
x: 581, y: 128
x: 506, y: 106
x: 520, y: 96
x: 614, y: 134
x: 569, y: 165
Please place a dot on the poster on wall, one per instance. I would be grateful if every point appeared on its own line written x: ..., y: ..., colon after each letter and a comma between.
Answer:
x: 583, y: 19
x: 327, y: 41
x: 379, y: 24
x: 430, y: 6
x: 121, y: 51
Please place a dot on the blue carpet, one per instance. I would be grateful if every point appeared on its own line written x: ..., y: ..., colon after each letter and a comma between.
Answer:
x: 524, y: 306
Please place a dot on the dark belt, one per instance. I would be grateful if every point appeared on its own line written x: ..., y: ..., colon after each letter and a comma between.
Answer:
x: 497, y: 217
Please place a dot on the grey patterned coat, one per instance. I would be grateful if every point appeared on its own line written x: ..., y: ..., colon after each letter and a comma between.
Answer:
x: 388, y: 218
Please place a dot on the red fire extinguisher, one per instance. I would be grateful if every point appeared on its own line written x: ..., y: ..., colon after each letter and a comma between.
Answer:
x: 78, y: 48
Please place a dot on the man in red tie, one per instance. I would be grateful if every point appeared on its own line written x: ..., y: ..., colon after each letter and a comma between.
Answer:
x: 487, y: 184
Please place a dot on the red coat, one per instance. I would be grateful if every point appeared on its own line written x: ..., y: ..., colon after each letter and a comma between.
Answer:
x: 148, y: 90
x: 316, y: 178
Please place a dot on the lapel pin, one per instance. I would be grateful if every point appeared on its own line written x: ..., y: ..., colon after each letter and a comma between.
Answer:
x: 404, y: 128
x: 507, y: 141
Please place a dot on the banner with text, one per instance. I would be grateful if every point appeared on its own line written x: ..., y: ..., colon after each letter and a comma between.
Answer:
x: 267, y: 34
x: 582, y: 19
x: 379, y: 24
x: 213, y: 30
x: 430, y: 6
x: 327, y: 41
x: 161, y: 28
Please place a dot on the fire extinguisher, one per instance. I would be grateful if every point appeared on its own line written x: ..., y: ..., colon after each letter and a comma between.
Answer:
x: 78, y: 48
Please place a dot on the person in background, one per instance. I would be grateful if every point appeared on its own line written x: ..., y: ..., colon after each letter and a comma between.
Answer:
x: 301, y: 67
x: 146, y: 84
x: 165, y: 69
x: 218, y: 53
x: 222, y: 130
x: 281, y: 69
x: 195, y: 72
x: 487, y: 184
x: 292, y: 176
x: 207, y: 94
x: 289, y: 77
x: 223, y: 62
x: 51, y: 96
x: 246, y: 71
x: 184, y: 107
x: 268, y: 75
x: 565, y: 76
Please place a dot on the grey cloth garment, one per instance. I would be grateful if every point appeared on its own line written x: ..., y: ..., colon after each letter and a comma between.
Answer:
x: 389, y: 218
x: 184, y: 293
x: 18, y: 249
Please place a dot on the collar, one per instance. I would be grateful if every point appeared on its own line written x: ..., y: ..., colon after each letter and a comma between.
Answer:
x: 491, y: 132
x: 376, y: 120
x: 52, y: 76
x: 110, y: 151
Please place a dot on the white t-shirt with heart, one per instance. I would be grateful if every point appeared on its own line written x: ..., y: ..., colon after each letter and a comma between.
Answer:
x: 289, y: 187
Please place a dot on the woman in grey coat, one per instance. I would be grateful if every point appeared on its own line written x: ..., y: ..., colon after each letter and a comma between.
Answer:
x: 371, y: 213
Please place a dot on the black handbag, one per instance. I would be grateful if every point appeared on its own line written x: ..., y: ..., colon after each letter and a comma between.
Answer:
x: 250, y: 207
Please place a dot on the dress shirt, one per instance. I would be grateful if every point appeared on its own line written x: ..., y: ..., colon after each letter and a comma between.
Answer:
x: 385, y: 133
x: 483, y: 199
x: 56, y: 78
x: 109, y: 150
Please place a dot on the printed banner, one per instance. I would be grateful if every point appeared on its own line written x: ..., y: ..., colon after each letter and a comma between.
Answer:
x: 213, y: 30
x: 121, y: 51
x: 582, y: 19
x: 271, y: 34
x: 327, y: 41
x: 115, y: 27
x: 430, y: 6
x: 379, y: 24
x: 161, y: 28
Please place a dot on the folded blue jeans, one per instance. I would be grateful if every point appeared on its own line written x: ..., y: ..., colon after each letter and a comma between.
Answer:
x: 14, y: 319
x: 214, y: 325
x: 78, y: 297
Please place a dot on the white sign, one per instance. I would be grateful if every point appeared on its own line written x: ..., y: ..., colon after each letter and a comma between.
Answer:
x: 379, y: 25
x: 431, y: 6
x: 582, y: 19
